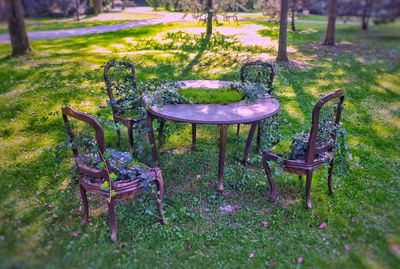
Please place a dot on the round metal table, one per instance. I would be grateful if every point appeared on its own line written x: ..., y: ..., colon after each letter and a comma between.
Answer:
x: 223, y: 115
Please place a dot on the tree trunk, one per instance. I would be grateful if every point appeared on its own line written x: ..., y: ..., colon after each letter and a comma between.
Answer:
x: 77, y: 9
x: 282, y: 50
x: 330, y: 38
x: 364, y: 24
x: 112, y: 4
x: 293, y: 15
x: 16, y: 27
x: 176, y: 6
x: 123, y: 4
x: 366, y: 14
x: 209, y: 17
x: 98, y: 6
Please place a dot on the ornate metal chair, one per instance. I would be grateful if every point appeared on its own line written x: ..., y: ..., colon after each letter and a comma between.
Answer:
x: 111, y: 85
x: 318, y: 150
x: 257, y: 72
x: 92, y: 178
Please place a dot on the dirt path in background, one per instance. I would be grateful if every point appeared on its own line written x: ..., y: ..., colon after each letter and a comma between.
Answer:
x: 166, y: 17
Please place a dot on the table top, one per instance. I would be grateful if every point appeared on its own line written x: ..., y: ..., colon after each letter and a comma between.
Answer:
x: 233, y: 113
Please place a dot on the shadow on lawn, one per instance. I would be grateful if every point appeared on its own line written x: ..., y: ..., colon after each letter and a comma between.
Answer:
x: 196, y: 60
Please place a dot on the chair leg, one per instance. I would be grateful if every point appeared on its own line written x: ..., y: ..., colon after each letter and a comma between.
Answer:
x: 113, y: 219
x: 160, y: 194
x: 130, y: 140
x: 248, y: 143
x: 118, y: 137
x: 161, y: 132
x: 272, y: 192
x: 260, y: 131
x: 152, y: 140
x: 238, y: 129
x: 309, y: 174
x: 194, y: 134
x: 85, y: 205
x: 330, y: 172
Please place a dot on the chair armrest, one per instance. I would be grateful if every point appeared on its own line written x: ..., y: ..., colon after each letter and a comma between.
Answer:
x: 135, y: 120
x: 270, y: 156
x: 127, y: 121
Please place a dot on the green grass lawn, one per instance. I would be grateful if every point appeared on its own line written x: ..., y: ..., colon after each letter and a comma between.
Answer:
x: 46, y: 24
x: 212, y: 96
x: 40, y: 209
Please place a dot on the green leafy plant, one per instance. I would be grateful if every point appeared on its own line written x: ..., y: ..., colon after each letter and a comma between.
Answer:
x: 121, y: 166
x: 160, y: 93
x: 327, y: 131
x: 252, y: 90
x: 271, y: 134
x: 128, y: 97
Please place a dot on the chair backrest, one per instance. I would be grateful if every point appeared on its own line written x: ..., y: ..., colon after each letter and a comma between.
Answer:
x: 69, y: 112
x: 331, y: 122
x: 258, y: 72
x: 126, y: 80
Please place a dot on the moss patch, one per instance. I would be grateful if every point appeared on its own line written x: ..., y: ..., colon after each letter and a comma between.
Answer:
x: 223, y: 95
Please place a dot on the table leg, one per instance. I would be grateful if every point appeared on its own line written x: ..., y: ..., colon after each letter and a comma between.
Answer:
x: 193, y: 136
x: 248, y: 142
x: 161, y: 132
x: 149, y: 122
x: 222, y: 150
x: 260, y: 131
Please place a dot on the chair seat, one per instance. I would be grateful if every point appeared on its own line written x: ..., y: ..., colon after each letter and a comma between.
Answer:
x: 298, y: 166
x: 120, y: 186
x: 122, y: 164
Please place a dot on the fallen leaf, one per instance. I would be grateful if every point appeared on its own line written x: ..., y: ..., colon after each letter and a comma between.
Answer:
x: 323, y: 225
x: 354, y: 219
x: 189, y: 246
x: 75, y: 234
x: 300, y: 259
x: 121, y: 245
x: 395, y: 249
x: 264, y: 223
x: 347, y: 247
x: 251, y: 255
x: 198, y: 176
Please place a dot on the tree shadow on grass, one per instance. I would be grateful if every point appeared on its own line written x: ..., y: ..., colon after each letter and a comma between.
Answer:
x: 205, y: 43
